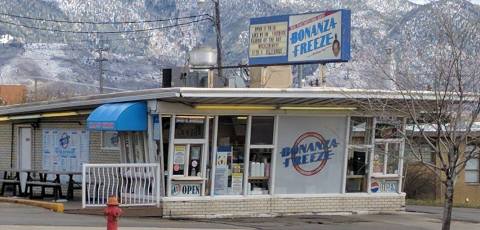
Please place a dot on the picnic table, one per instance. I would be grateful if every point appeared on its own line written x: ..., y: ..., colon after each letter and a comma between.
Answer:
x: 10, y: 177
x: 41, y: 179
x: 72, y: 184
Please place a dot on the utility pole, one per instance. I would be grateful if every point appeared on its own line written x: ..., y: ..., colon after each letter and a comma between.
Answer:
x: 218, y: 28
x: 100, y: 61
x: 35, y: 94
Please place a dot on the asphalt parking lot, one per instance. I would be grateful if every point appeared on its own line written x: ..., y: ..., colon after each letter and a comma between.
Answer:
x: 20, y: 217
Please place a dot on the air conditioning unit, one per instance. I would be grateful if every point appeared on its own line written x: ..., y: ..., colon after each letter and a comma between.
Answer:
x: 271, y: 77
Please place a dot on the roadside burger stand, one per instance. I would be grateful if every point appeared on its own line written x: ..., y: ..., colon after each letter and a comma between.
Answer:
x: 221, y: 151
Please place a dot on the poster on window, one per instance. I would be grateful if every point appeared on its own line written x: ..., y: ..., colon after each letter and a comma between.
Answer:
x: 179, y: 159
x: 310, y: 155
x: 221, y: 170
x: 65, y: 150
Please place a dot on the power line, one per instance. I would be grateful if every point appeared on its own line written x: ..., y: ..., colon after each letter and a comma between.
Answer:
x: 102, y: 23
x: 103, y: 32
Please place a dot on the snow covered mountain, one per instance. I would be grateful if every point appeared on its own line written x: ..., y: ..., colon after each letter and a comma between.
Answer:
x: 135, y: 60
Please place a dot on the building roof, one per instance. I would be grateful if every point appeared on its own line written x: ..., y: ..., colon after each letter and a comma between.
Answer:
x: 193, y: 96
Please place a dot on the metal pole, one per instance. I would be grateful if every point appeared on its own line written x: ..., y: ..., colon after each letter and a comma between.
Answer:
x: 218, y: 28
x: 100, y: 61
x: 35, y: 97
x: 300, y: 76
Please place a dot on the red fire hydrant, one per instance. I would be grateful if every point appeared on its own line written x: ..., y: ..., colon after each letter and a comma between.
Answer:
x: 112, y: 213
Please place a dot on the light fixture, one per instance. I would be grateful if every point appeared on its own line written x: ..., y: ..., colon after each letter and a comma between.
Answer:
x: 60, y: 114
x: 5, y: 118
x: 84, y: 112
x: 190, y: 117
x: 24, y: 117
x: 235, y: 107
x: 318, y: 108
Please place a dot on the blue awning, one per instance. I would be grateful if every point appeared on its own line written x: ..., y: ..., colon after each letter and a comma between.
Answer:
x: 130, y: 116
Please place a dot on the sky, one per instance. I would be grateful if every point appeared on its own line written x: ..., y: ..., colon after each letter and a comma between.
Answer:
x: 425, y: 1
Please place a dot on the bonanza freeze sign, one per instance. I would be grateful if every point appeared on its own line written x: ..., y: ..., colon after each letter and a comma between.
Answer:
x: 310, y: 156
x: 318, y: 37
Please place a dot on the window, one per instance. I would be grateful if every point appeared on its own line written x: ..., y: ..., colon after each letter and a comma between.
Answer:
x: 386, y: 158
x: 189, y: 127
x: 357, y: 170
x: 110, y: 140
x: 388, y: 127
x: 133, y: 147
x: 361, y: 130
x: 415, y: 150
x: 359, y: 149
x: 472, y: 167
x: 229, y: 166
x: 260, y: 157
x: 259, y: 171
x: 262, y: 131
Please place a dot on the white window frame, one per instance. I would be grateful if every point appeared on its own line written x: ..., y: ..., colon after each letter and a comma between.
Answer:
x: 187, y: 142
x: 387, y: 142
x: 249, y: 146
x: 102, y: 147
x: 477, y: 170
x: 368, y: 157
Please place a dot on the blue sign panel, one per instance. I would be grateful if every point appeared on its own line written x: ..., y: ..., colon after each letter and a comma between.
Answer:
x: 319, y: 37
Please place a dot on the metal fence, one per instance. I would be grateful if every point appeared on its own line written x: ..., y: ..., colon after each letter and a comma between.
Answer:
x: 133, y: 184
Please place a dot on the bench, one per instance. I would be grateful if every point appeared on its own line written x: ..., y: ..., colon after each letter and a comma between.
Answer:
x: 57, y: 188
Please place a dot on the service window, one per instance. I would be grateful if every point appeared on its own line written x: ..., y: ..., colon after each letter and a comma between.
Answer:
x: 357, y: 170
x: 360, y: 146
x: 187, y: 160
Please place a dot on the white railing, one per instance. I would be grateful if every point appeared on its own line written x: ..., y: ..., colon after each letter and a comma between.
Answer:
x: 133, y: 184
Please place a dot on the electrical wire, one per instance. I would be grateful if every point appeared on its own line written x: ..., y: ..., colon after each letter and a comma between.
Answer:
x: 103, y: 32
x: 103, y: 23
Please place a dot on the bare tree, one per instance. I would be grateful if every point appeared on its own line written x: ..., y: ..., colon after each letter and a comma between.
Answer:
x: 437, y: 77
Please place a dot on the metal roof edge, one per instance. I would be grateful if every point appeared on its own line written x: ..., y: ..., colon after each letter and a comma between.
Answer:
x: 89, y: 101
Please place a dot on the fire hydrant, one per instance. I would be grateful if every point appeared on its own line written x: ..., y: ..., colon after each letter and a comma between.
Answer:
x: 112, y: 213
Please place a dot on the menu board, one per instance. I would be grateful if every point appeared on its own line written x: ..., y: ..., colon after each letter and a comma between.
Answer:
x: 65, y: 150
x: 268, y: 39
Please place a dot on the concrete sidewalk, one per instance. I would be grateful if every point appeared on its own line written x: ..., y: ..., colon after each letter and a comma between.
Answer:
x: 471, y: 215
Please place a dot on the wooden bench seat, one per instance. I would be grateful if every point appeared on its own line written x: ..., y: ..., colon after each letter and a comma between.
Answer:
x: 57, y: 188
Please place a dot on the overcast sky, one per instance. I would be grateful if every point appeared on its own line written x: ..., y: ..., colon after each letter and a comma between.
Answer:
x: 425, y: 1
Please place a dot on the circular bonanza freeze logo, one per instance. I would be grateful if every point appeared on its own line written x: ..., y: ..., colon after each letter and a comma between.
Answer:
x: 309, y: 154
x: 64, y: 140
x: 374, y: 187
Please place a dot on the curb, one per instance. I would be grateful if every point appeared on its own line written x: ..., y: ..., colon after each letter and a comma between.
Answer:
x: 56, y: 207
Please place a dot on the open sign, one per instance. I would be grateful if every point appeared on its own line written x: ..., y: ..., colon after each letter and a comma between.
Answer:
x: 183, y: 189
